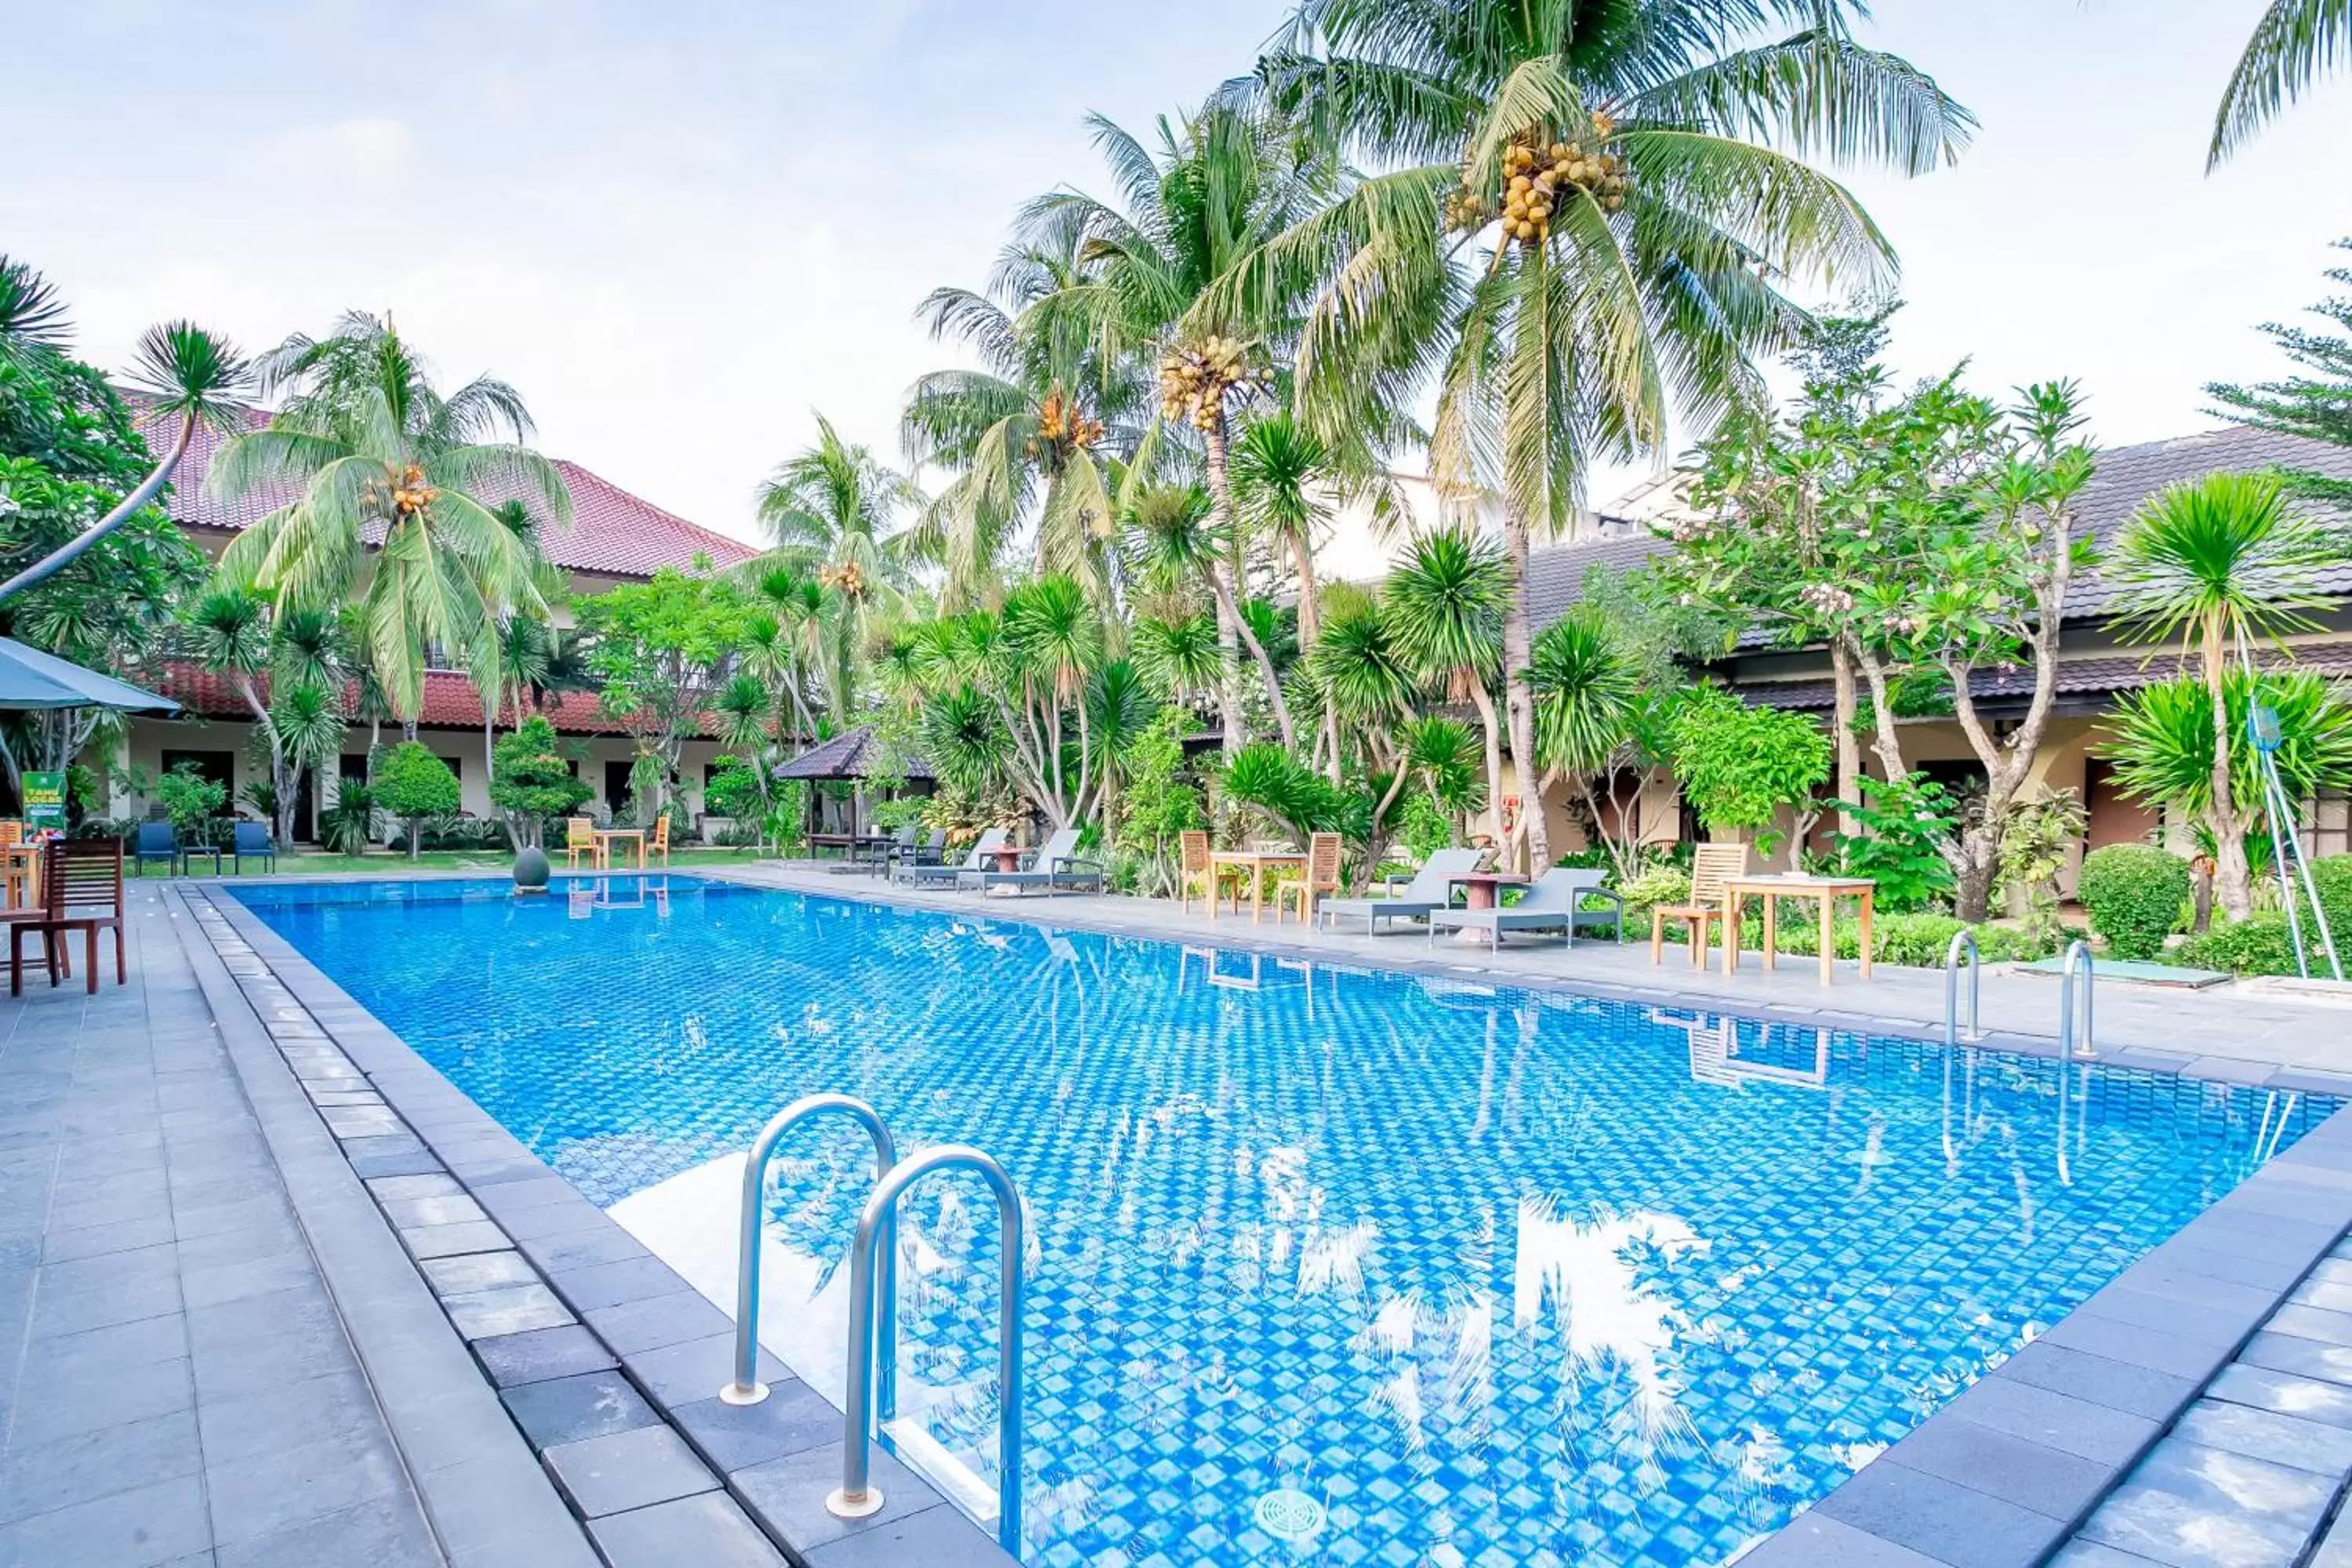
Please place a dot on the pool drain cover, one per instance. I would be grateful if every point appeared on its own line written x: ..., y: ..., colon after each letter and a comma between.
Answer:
x: 1290, y: 1516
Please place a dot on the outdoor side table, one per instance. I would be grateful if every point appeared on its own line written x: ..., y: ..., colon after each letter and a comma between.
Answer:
x: 605, y: 837
x: 1828, y: 890
x: 1482, y: 890
x: 1257, y: 862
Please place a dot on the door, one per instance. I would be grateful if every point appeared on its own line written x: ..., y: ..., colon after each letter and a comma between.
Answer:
x: 616, y: 787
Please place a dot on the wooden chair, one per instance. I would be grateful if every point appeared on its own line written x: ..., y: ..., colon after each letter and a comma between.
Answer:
x: 580, y: 838
x: 1198, y: 869
x: 82, y: 889
x: 15, y: 864
x: 1711, y: 866
x: 657, y: 841
x: 1322, y: 877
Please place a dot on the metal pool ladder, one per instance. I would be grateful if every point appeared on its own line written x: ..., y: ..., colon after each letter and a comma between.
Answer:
x: 747, y: 1388
x: 2078, y: 954
x: 1962, y: 938
x: 873, y: 1335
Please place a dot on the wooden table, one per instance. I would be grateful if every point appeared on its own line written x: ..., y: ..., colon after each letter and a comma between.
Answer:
x: 1772, y: 890
x: 1258, y: 862
x: 606, y: 836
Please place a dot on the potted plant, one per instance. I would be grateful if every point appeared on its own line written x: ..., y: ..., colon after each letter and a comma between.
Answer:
x: 532, y: 783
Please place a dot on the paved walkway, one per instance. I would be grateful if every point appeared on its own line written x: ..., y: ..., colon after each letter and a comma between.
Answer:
x: 2227, y: 1032
x: 176, y: 1384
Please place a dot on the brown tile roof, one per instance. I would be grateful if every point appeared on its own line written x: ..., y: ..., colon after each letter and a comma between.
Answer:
x: 451, y: 701
x: 844, y: 757
x: 612, y: 532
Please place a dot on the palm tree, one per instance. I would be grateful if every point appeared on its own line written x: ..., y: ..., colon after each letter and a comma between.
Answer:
x: 2295, y: 41
x: 238, y: 634
x: 1182, y: 543
x: 829, y: 509
x: 191, y: 375
x: 2217, y: 562
x: 1589, y: 696
x: 1027, y: 432
x: 397, y: 505
x: 1444, y: 601
x: 1575, y: 228
x: 1154, y: 292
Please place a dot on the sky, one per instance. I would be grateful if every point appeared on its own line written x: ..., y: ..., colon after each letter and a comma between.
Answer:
x: 684, y: 230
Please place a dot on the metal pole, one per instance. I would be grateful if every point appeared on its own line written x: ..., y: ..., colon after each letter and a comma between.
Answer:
x: 1962, y: 938
x: 747, y: 1388
x: 2078, y: 952
x: 858, y: 1497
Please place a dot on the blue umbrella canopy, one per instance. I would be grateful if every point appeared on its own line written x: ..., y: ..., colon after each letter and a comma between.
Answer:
x: 30, y: 679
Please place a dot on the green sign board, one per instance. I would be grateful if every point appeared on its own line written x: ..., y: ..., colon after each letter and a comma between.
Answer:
x: 45, y: 801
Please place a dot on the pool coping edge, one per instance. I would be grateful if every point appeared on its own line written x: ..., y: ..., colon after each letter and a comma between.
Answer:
x: 664, y: 1326
x: 1897, y: 1507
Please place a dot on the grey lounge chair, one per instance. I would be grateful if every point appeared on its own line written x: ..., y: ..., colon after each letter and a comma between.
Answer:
x: 1431, y: 889
x: 1552, y: 904
x: 983, y: 854
x: 1057, y: 865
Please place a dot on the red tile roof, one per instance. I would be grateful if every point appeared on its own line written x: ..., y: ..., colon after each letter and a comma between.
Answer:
x: 612, y: 532
x: 450, y: 701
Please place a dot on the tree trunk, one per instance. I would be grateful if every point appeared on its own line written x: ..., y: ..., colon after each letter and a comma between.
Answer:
x: 1849, y: 750
x: 287, y: 779
x: 1310, y: 614
x: 1490, y: 732
x: 57, y: 560
x: 1226, y: 602
x: 1229, y: 664
x: 1979, y: 862
x: 1519, y: 697
x: 1882, y: 737
x: 2233, y: 879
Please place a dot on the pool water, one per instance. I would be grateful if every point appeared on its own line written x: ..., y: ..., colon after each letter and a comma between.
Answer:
x: 1331, y: 1265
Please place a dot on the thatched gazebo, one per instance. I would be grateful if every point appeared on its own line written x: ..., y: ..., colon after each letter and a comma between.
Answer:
x: 852, y: 756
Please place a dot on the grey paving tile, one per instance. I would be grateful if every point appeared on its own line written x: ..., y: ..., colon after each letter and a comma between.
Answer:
x: 626, y: 1471
x: 561, y: 1547
x: 121, y: 1235
x: 657, y: 1321
x: 449, y: 1240
x: 192, y: 1220
x: 735, y: 1437
x: 571, y: 1409
x: 1811, y: 1540
x: 410, y: 1212
x: 111, y: 1352
x: 382, y: 1532
x: 229, y: 1282
x: 435, y: 1185
x: 2334, y: 1550
x: 2301, y: 1357
x: 149, y: 1525
x: 2312, y: 1324
x: 943, y: 1538
x: 2001, y: 1465
x: 512, y: 1360
x: 263, y: 1495
x: 483, y: 1504
x: 613, y: 1284
x: 60, y: 1312
x: 404, y: 1162
x: 2306, y: 1397
x: 605, y: 1244
x: 1967, y: 1527
x: 2191, y: 1506
x: 2141, y: 1391
x: 2264, y: 1434
x: 2091, y: 1554
x: 505, y: 1310
x: 696, y: 1368
x: 474, y: 1271
x: 316, y: 1410
x: 789, y: 1493
x: 709, y: 1531
x: 41, y: 1477
x: 2182, y: 1355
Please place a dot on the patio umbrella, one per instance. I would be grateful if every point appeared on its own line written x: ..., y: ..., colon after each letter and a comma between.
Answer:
x: 31, y: 680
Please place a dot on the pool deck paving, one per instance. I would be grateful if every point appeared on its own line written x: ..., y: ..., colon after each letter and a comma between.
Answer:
x: 274, y: 1292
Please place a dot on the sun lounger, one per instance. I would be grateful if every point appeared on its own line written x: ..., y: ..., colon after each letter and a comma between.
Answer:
x: 1054, y: 866
x: 983, y: 853
x: 1432, y: 889
x: 1553, y: 903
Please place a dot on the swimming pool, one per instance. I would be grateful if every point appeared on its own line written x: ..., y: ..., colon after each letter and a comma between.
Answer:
x: 1485, y: 1277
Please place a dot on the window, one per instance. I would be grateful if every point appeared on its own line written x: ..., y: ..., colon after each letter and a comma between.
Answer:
x: 457, y: 766
x: 220, y: 767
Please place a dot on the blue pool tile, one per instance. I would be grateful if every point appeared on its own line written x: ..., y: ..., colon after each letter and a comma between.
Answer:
x: 1350, y: 1266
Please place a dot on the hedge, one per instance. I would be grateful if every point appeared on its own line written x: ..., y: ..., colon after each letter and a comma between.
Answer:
x: 2133, y: 893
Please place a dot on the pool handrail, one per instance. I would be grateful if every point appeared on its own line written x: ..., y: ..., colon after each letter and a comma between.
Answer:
x: 747, y: 1388
x: 2078, y: 955
x: 873, y: 1335
x: 1960, y: 939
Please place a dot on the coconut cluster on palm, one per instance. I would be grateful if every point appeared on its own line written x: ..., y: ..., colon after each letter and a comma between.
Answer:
x: 1540, y: 174
x: 1061, y: 430
x: 1193, y: 382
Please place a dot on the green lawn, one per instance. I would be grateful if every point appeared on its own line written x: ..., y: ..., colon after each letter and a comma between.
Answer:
x: 317, y: 863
